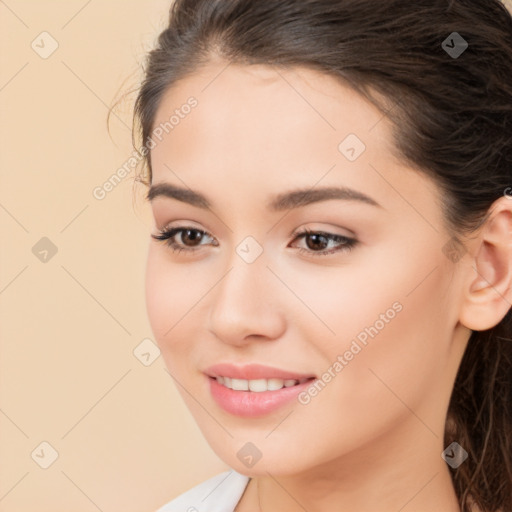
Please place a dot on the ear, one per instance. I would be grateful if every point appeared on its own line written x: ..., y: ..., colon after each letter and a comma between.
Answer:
x: 488, y: 295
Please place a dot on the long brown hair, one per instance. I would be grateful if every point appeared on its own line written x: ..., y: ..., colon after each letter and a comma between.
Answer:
x: 452, y: 119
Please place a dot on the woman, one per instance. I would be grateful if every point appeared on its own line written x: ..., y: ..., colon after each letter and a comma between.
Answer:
x: 329, y: 277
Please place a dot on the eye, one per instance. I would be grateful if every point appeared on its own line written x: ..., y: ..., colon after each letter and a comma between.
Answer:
x: 320, y: 243
x: 190, y: 238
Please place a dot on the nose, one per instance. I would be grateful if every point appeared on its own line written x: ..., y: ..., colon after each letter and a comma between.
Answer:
x: 245, y: 305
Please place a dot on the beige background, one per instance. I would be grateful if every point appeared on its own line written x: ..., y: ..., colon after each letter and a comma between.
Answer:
x: 69, y: 326
x: 70, y: 322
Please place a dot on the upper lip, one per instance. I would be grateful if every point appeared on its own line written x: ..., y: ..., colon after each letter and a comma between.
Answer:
x: 253, y: 372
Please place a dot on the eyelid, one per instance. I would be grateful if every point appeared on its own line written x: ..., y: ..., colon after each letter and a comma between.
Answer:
x: 348, y: 233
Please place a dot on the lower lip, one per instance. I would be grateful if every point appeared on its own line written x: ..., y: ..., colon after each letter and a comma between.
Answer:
x: 250, y: 404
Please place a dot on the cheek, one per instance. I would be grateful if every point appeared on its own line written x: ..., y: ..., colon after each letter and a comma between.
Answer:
x: 398, y: 364
x: 342, y: 302
x: 408, y: 357
x: 171, y: 291
x: 159, y: 300
x: 392, y: 321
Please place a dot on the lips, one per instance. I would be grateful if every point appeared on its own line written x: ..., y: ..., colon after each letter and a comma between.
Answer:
x: 254, y: 390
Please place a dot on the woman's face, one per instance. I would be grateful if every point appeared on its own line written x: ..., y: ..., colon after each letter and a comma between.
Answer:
x: 359, y: 317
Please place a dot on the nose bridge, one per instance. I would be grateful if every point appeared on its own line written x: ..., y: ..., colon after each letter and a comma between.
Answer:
x: 245, y: 302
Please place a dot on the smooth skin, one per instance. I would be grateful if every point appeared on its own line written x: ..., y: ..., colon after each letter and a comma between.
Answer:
x: 372, y: 439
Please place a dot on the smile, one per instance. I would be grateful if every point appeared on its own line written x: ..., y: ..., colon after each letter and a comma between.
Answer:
x: 258, y: 385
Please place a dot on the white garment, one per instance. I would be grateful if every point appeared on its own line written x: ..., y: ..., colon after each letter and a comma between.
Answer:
x: 218, y: 494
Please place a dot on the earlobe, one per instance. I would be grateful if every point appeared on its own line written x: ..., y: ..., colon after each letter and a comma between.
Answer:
x: 489, y: 291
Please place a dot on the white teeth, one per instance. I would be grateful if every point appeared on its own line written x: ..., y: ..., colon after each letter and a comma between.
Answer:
x: 257, y: 385
x: 240, y: 384
x: 274, y: 384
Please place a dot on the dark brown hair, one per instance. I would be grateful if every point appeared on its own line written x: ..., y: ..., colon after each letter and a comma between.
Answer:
x: 452, y: 119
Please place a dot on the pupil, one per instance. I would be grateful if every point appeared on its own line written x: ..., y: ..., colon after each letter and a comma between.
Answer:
x: 189, y: 235
x: 319, y: 242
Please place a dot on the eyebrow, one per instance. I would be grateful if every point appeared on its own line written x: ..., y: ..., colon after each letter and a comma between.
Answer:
x: 284, y: 201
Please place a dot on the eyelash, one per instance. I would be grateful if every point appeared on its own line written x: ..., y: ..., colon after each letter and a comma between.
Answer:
x: 167, y: 235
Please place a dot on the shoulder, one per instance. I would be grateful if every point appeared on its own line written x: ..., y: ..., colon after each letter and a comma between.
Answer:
x: 220, y: 493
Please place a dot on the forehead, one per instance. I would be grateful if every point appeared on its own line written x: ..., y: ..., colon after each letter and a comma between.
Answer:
x: 255, y: 108
x: 262, y: 115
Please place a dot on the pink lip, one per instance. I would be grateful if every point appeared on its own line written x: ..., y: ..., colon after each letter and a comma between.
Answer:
x: 252, y: 372
x: 249, y: 404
